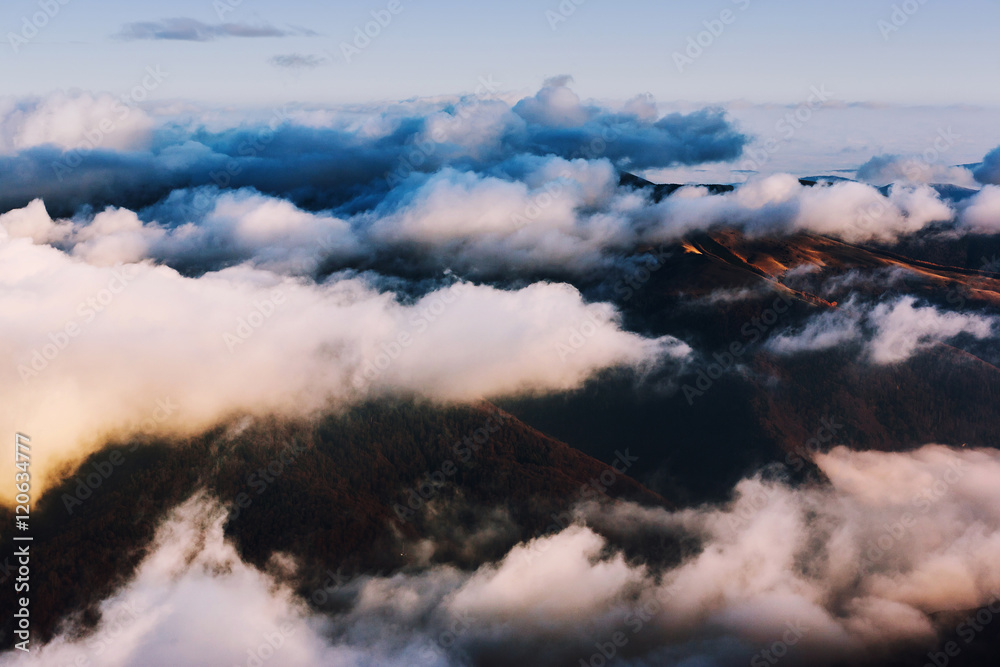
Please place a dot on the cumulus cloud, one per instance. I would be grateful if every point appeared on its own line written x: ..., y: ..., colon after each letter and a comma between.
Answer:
x: 192, y: 30
x: 891, y: 332
x: 780, y: 204
x: 559, y: 123
x: 556, y: 214
x: 226, y: 228
x: 902, y: 329
x: 982, y: 212
x: 235, y: 225
x: 555, y: 105
x: 348, y: 156
x: 33, y: 222
x: 888, y: 169
x: 92, y: 348
x: 882, y: 557
x: 71, y: 121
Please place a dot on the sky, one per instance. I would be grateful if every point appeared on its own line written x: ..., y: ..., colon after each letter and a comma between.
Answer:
x: 765, y: 51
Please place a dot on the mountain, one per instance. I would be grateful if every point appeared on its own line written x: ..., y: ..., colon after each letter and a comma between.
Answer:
x: 709, y: 287
x: 353, y: 491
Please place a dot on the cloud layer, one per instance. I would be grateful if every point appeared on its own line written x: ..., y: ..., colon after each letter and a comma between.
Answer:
x: 324, y: 158
x: 541, y: 215
x: 893, y: 551
x: 92, y: 348
x: 475, y: 178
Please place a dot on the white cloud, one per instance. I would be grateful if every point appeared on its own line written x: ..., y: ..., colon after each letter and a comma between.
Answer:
x: 221, y: 227
x: 887, y: 169
x: 193, y: 601
x: 820, y: 333
x: 564, y: 214
x: 902, y: 329
x: 891, y: 332
x: 555, y: 105
x: 73, y: 121
x: 982, y: 214
x: 780, y: 204
x: 548, y: 214
x: 113, y: 237
x: 91, y: 349
x: 33, y: 222
x: 555, y: 581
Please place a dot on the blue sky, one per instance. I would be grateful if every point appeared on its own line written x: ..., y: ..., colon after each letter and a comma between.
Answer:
x: 771, y: 51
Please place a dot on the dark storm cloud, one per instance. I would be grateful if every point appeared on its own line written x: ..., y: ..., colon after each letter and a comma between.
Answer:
x: 988, y: 172
x: 334, y: 162
x: 313, y: 167
x: 558, y: 123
